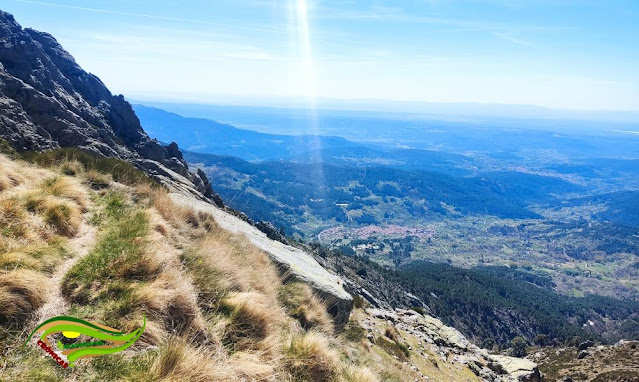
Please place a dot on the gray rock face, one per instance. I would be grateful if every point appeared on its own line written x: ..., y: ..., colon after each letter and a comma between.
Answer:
x: 292, y: 262
x: 47, y: 101
x: 518, y: 369
x: 449, y: 342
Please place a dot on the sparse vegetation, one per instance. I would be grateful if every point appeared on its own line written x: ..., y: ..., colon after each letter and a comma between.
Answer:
x: 353, y: 332
x: 309, y: 358
x: 359, y: 302
x: 120, y: 170
x: 392, y: 347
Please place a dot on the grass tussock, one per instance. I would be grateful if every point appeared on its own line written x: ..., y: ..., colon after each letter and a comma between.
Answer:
x: 60, y: 201
x: 237, y: 292
x: 391, y: 333
x: 309, y: 358
x: 9, y: 178
x: 177, y: 215
x: 21, y: 293
x: 252, y: 367
x: 66, y: 188
x: 41, y: 257
x: 392, y: 347
x: 359, y: 374
x: 305, y: 307
x: 353, y: 332
x: 222, y: 263
x: 14, y: 223
x: 168, y: 300
x: 211, y: 286
x: 121, y: 171
x: 181, y: 361
x: 97, y: 180
x: 242, y: 266
x: 63, y: 217
x: 71, y: 168
x: 251, y: 320
x: 34, y: 214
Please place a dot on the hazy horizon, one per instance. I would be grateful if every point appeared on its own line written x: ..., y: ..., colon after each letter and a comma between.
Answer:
x: 553, y: 54
x: 437, y: 110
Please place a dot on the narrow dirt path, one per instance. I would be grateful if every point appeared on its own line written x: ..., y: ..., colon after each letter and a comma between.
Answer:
x: 79, y: 246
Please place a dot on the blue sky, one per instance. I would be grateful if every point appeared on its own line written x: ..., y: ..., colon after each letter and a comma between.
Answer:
x: 554, y: 53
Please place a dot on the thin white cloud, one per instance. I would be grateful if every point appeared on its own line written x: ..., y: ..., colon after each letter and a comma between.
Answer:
x: 515, y: 40
x: 149, y: 16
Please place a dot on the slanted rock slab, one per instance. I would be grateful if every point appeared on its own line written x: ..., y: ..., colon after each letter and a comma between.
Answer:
x: 291, y: 261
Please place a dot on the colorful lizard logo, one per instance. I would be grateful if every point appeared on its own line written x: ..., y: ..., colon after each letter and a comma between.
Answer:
x: 109, y: 340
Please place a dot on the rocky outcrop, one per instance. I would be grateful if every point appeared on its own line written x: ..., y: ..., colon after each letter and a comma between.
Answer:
x: 47, y: 101
x: 293, y: 263
x: 452, y: 345
x: 517, y: 369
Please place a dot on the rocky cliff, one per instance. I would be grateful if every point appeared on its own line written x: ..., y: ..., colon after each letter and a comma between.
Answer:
x: 48, y: 101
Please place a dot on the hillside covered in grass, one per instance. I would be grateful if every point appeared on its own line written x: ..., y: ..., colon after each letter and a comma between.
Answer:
x: 75, y: 242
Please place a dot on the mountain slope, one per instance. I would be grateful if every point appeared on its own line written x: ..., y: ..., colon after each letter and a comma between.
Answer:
x: 74, y: 242
x: 208, y: 136
x: 47, y: 101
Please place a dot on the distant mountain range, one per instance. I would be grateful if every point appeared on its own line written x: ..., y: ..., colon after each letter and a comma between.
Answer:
x: 208, y: 136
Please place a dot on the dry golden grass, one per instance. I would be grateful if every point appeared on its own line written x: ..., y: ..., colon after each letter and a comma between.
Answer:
x: 253, y: 322
x: 169, y: 300
x: 31, y: 218
x: 97, y: 180
x: 178, y: 216
x: 181, y: 361
x: 10, y: 260
x: 359, y: 374
x: 242, y: 266
x: 41, y: 257
x: 58, y: 199
x: 67, y: 188
x: 72, y: 168
x: 252, y: 367
x: 305, y: 307
x: 5, y: 181
x: 391, y: 332
x: 21, y: 293
x: 14, y: 222
x: 309, y: 358
x: 9, y: 178
x: 62, y: 216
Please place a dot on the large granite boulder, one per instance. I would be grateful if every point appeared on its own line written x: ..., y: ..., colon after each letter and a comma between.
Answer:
x: 517, y: 369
